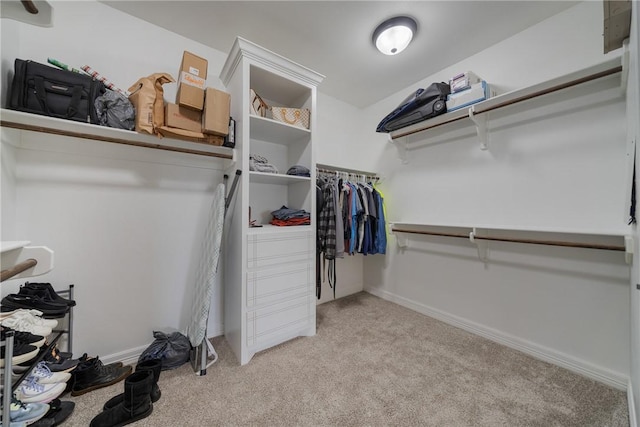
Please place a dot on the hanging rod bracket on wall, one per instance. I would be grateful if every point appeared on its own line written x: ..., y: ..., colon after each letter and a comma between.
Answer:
x: 401, y: 238
x: 629, y: 245
x: 401, y: 146
x: 480, y: 120
x: 481, y: 245
x: 26, y: 261
x: 624, y: 77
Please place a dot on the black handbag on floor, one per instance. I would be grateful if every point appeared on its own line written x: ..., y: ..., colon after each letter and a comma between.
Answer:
x: 49, y: 91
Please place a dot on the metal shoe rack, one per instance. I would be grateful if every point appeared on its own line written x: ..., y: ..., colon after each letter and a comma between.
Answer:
x: 28, y: 268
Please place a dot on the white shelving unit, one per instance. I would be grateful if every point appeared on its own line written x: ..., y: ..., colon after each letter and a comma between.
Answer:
x: 269, y: 270
x: 477, y: 114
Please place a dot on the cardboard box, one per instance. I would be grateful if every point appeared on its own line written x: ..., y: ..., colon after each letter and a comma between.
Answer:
x: 463, y: 81
x: 476, y: 93
x: 194, y: 65
x: 192, y: 81
x: 190, y: 97
x: 179, y: 117
x: 188, y: 135
x: 215, y: 117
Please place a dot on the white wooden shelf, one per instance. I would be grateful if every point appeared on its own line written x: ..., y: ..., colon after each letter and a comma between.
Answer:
x: 269, y: 228
x: 276, y: 178
x: 614, y: 232
x: 277, y: 132
x: 476, y: 113
x: 10, y: 245
x: 50, y: 125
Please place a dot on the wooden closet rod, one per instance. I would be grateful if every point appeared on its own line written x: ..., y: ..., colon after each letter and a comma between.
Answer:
x: 528, y: 96
x: 514, y: 240
x: 29, y: 6
x: 17, y: 269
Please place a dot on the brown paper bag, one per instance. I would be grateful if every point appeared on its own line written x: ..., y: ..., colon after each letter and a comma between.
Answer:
x: 147, y: 96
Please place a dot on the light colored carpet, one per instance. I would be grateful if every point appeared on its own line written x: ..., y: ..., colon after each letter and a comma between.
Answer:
x: 375, y: 363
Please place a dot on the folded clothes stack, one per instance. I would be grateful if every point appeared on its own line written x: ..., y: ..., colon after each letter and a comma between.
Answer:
x: 299, y: 170
x: 285, y: 216
x: 261, y: 164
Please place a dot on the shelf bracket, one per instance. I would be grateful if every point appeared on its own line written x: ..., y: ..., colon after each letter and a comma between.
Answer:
x: 628, y: 249
x: 480, y: 120
x: 625, y: 67
x: 401, y: 145
x: 481, y: 245
x: 401, y: 239
x: 42, y: 255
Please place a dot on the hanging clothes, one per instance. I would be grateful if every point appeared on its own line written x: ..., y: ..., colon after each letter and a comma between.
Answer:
x: 351, y: 220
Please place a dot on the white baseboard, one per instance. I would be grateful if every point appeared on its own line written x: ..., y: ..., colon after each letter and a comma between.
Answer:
x: 633, y: 420
x: 127, y: 357
x: 581, y: 367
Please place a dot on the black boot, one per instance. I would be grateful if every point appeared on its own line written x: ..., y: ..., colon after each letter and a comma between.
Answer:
x: 91, y: 374
x: 136, y: 403
x: 153, y: 365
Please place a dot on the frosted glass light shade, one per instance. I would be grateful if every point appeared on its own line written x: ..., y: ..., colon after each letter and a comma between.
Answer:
x: 394, y: 35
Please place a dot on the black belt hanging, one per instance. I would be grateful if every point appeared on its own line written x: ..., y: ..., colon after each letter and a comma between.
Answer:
x: 331, y: 275
x: 318, y: 275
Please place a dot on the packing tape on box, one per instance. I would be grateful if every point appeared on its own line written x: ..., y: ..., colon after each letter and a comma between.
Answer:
x: 191, y: 80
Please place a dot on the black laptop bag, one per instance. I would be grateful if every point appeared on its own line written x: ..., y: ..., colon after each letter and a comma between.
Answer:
x: 49, y: 91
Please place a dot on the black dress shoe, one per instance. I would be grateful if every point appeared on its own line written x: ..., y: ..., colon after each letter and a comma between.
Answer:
x: 49, y: 309
x: 58, y: 412
x: 46, y: 289
x: 92, y: 374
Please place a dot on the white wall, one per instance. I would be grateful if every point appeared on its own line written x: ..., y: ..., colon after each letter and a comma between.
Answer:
x: 337, y: 145
x: 559, y: 163
x: 124, y: 222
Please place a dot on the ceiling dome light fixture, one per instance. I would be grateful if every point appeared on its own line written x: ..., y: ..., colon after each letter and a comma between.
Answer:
x: 394, y: 35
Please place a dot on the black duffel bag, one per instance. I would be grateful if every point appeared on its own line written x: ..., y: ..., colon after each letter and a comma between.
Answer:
x: 421, y: 105
x: 41, y: 89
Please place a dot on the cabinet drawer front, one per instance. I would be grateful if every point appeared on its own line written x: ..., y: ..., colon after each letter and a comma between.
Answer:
x: 266, y: 325
x: 273, y: 284
x: 279, y: 248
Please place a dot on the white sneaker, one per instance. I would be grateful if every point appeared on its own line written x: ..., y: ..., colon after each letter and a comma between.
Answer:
x: 31, y: 391
x: 43, y: 375
x: 26, y: 413
x: 26, y: 321
x: 35, y: 315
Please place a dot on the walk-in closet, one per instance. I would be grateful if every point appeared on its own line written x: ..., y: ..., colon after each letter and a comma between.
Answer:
x: 476, y: 265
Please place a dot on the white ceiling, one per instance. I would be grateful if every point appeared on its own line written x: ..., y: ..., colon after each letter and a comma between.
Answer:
x: 334, y: 37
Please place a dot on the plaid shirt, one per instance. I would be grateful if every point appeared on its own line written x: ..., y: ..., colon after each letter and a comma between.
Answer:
x: 327, y: 222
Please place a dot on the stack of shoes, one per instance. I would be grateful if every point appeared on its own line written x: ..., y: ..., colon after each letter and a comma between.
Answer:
x: 38, y: 296
x: 27, y: 320
x: 91, y: 374
x: 25, y: 347
x: 22, y: 413
x: 141, y: 391
x: 46, y: 291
